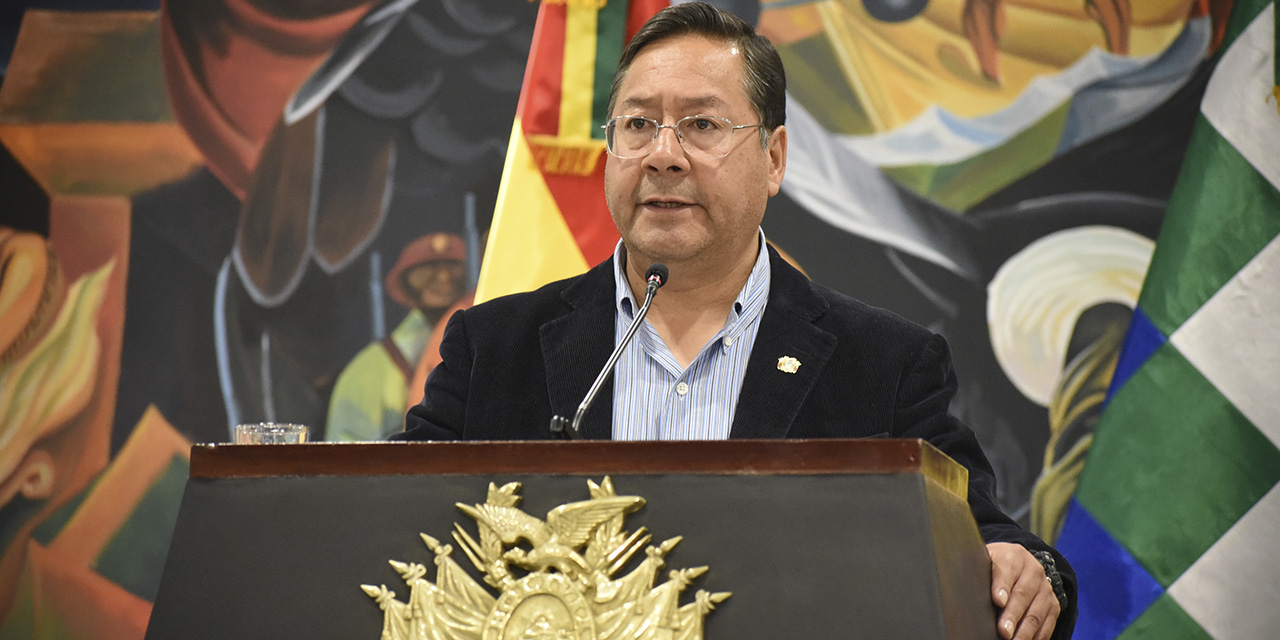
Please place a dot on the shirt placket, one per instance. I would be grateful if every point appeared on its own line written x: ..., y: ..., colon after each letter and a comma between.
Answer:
x: 662, y: 366
x: 676, y: 407
x: 685, y: 397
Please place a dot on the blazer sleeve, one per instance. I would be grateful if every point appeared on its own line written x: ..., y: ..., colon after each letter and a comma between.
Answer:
x: 443, y: 411
x: 925, y: 390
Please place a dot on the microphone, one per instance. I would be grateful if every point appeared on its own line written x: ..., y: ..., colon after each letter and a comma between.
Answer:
x: 655, y: 277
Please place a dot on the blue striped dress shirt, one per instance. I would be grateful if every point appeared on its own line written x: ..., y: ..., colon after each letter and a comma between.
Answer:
x: 653, y: 398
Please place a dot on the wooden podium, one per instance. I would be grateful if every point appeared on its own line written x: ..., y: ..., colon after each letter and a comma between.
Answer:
x: 815, y: 539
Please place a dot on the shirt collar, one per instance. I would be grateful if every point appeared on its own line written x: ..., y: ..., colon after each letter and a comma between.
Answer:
x: 746, y: 307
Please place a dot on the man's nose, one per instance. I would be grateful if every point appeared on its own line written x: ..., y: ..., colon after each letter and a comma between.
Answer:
x: 666, y: 148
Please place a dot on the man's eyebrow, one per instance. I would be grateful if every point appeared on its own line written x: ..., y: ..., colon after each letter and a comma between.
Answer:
x: 637, y: 102
x: 701, y: 101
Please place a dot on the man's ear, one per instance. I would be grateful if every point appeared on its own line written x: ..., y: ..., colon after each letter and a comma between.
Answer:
x: 777, y: 159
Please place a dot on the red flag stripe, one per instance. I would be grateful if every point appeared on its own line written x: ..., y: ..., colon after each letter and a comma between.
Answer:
x: 539, y: 108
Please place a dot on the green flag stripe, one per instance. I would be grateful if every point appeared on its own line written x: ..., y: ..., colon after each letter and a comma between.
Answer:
x: 1173, y: 465
x: 611, y: 26
x: 1164, y: 620
x: 1214, y: 226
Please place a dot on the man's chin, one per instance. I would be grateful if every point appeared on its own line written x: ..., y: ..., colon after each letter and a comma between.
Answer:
x: 669, y: 250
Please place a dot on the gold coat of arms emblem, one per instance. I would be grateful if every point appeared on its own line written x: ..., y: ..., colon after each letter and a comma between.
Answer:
x: 562, y: 578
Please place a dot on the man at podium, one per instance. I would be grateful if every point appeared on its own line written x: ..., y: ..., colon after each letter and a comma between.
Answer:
x: 739, y: 344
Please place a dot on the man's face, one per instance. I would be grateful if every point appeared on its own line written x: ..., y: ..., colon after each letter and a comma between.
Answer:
x: 437, y: 284
x: 676, y: 207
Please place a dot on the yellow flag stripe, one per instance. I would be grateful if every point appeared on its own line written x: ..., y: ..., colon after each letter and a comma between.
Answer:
x: 577, y: 87
x: 529, y: 242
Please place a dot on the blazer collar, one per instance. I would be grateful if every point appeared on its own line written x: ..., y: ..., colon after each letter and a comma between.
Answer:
x: 576, y: 344
x: 771, y: 397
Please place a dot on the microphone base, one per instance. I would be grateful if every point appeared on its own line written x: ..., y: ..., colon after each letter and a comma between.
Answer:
x: 563, y: 429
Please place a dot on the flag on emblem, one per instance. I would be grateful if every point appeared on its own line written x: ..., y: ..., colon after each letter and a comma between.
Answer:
x: 550, y: 221
x: 1173, y: 528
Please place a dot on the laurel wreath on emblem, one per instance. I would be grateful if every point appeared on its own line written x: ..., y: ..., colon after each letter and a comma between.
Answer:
x: 568, y: 587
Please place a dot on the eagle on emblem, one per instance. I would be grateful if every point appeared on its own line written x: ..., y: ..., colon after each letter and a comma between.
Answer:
x: 553, y: 542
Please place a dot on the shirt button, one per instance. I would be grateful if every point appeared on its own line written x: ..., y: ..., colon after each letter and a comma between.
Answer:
x: 682, y: 388
x: 728, y: 341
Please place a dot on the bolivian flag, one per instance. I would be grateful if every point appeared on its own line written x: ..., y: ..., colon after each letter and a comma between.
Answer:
x: 1172, y: 531
x: 551, y: 221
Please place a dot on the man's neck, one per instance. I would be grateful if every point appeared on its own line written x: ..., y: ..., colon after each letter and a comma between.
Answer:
x: 695, y: 303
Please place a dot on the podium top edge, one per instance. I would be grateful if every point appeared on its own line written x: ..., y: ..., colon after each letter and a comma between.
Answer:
x: 724, y: 457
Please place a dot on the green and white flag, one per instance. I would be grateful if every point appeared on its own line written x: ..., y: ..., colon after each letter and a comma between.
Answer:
x: 1174, y: 530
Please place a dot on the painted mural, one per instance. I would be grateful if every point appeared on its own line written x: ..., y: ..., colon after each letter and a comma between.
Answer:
x: 226, y: 211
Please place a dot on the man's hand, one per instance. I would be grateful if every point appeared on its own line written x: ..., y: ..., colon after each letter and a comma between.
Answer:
x: 1019, y: 587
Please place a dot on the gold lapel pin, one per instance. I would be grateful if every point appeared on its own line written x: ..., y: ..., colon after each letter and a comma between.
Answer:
x: 787, y: 364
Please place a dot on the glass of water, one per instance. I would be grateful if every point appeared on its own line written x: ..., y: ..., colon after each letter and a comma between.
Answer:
x: 270, y: 433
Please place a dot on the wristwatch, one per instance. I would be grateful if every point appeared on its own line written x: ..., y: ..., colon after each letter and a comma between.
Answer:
x: 1051, y: 572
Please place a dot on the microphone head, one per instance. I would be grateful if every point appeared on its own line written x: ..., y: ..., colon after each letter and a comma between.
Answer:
x: 657, y: 273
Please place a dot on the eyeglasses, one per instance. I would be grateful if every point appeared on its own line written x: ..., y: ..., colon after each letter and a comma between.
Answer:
x: 707, y: 136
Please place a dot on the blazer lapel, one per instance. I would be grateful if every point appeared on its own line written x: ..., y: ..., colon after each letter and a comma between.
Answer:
x: 771, y: 398
x: 576, y: 345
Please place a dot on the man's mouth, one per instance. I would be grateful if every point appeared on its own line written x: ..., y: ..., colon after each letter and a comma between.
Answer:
x: 666, y: 204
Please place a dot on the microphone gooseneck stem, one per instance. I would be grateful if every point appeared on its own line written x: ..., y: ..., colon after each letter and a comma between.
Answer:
x: 649, y: 291
x: 654, y: 277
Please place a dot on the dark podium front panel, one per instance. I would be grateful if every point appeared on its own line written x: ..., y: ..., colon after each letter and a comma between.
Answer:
x: 815, y: 539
